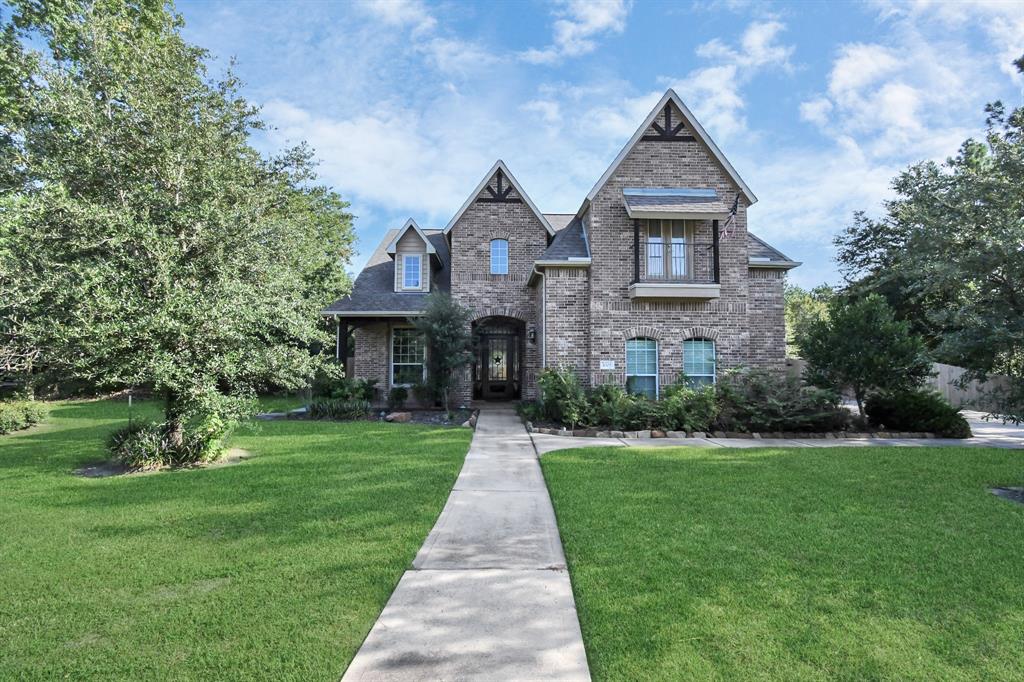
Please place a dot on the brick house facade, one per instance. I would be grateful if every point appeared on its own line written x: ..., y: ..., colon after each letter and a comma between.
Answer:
x: 654, y: 278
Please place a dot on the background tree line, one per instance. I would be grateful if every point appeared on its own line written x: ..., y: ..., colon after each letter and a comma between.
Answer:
x: 946, y: 257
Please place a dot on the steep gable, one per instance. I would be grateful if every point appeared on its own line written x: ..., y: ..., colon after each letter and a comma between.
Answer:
x: 499, y: 186
x: 671, y: 122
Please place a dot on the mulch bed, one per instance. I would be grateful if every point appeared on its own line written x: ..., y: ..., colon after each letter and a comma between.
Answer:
x: 435, y: 417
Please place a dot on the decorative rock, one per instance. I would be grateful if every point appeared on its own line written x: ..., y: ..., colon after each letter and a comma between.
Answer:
x: 267, y: 416
x: 719, y: 434
x: 655, y: 433
x: 604, y: 434
x: 472, y: 420
x: 643, y: 434
x: 618, y: 434
x: 564, y: 432
x: 467, y: 425
x: 756, y: 436
x: 399, y: 417
x: 733, y: 434
x: 830, y: 436
x: 529, y: 425
x: 698, y: 434
x: 676, y: 434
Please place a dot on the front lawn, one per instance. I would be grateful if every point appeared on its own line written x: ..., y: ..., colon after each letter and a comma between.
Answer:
x: 274, y: 568
x: 867, y: 563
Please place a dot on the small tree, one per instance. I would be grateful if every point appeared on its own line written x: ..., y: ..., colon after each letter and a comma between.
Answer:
x: 445, y: 328
x: 863, y: 347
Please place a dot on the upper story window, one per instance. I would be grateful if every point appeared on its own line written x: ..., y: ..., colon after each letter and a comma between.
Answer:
x: 699, y: 361
x: 499, y: 256
x: 411, y: 271
x: 666, y: 249
x: 642, y: 367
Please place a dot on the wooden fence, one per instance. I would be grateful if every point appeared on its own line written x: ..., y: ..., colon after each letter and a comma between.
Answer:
x: 945, y: 380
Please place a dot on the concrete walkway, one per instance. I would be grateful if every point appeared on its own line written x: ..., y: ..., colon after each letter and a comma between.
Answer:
x: 488, y: 597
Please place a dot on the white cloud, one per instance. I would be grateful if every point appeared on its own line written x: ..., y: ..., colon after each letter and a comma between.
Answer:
x: 816, y: 111
x: 714, y: 92
x: 403, y: 13
x: 578, y: 24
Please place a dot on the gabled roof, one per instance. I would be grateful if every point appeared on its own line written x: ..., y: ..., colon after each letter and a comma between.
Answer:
x: 698, y: 129
x: 500, y: 165
x: 762, y: 255
x: 373, y: 293
x: 410, y: 224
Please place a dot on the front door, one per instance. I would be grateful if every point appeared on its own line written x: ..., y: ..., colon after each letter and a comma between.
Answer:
x: 498, y: 362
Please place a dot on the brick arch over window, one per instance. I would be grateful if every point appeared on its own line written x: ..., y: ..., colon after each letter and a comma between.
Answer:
x: 700, y: 333
x: 509, y: 311
x: 499, y: 233
x: 644, y: 332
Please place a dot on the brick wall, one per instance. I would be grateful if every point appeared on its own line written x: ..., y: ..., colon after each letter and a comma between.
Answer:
x: 567, y: 319
x: 767, y: 318
x: 498, y: 295
x: 615, y: 317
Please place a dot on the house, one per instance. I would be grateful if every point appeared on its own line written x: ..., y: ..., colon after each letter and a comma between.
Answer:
x: 655, y: 276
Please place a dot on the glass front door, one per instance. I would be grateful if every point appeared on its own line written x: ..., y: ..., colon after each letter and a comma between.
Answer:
x: 498, y: 361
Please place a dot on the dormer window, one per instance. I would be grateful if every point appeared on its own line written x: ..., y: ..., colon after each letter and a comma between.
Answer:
x: 499, y: 256
x: 411, y: 271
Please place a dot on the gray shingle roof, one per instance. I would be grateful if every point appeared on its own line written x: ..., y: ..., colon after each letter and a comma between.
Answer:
x: 759, y: 251
x: 569, y: 243
x: 673, y: 200
x: 559, y: 220
x: 374, y: 288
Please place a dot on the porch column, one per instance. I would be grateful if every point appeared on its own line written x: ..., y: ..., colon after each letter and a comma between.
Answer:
x: 714, y: 248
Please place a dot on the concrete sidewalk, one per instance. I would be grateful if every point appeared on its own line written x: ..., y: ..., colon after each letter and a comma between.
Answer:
x: 489, y: 595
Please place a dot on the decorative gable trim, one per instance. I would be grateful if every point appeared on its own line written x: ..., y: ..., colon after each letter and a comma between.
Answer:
x: 410, y: 224
x: 474, y: 196
x: 669, y: 132
x: 640, y: 134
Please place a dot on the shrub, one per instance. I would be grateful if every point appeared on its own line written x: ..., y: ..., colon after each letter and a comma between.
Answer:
x: 686, y: 408
x: 20, y: 414
x: 425, y: 394
x: 758, y: 400
x: 531, y: 412
x: 347, y: 389
x: 561, y: 396
x: 610, y: 405
x: 916, y: 410
x: 397, y: 397
x: 147, y: 445
x: 338, y: 408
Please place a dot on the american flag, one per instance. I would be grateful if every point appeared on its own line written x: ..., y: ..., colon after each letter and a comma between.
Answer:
x: 727, y: 226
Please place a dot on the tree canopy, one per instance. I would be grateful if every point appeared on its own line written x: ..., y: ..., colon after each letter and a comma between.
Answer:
x: 144, y: 241
x: 861, y: 346
x: 948, y: 254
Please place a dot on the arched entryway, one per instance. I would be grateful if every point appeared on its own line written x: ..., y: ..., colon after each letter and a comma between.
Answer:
x: 498, y: 346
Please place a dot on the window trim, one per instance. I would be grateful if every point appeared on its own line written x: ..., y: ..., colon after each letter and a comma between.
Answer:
x: 406, y: 269
x: 657, y: 364
x: 504, y: 241
x: 392, y: 363
x: 714, y: 359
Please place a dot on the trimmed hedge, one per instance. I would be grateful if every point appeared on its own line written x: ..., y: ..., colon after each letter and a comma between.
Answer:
x: 916, y: 410
x: 16, y: 415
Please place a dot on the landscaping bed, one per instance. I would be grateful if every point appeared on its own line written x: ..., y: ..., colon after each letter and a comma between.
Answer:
x: 553, y: 430
x: 778, y: 563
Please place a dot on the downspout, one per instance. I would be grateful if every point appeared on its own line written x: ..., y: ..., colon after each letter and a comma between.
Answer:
x: 543, y: 317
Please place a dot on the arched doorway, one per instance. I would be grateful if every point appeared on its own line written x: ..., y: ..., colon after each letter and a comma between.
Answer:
x: 497, y: 358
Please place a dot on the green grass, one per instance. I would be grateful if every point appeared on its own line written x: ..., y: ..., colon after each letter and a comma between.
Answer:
x: 274, y: 568
x: 867, y: 563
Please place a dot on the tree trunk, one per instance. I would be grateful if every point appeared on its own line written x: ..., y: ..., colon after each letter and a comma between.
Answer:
x: 174, y: 416
x: 860, y: 401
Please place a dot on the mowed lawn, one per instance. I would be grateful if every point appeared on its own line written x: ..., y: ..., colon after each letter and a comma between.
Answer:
x: 782, y: 564
x: 274, y: 568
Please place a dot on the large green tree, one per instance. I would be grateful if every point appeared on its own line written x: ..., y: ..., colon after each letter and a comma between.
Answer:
x: 948, y: 253
x: 860, y: 346
x: 803, y: 307
x: 143, y: 240
x: 445, y: 325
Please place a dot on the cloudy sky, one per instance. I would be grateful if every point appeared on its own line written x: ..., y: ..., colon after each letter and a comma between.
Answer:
x: 408, y: 102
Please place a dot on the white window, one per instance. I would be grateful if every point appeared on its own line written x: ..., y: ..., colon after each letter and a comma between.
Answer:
x: 499, y: 256
x: 408, y: 357
x: 411, y: 271
x: 642, y: 367
x: 699, y: 361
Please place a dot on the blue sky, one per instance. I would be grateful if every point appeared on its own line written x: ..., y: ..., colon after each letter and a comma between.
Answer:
x: 817, y: 105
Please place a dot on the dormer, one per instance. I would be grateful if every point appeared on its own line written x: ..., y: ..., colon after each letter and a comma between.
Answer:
x: 415, y: 258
